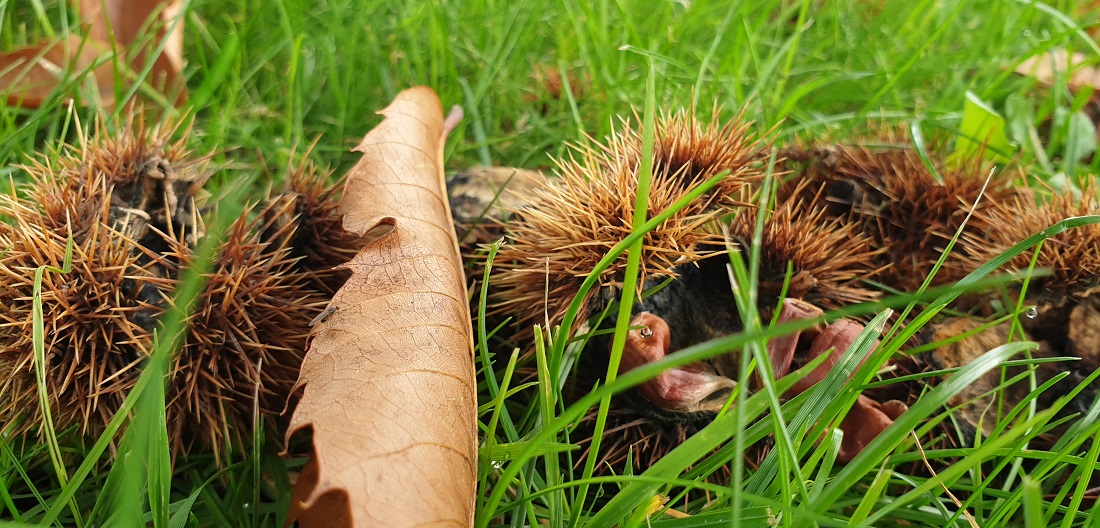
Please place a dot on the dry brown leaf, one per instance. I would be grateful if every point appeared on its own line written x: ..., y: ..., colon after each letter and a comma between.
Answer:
x: 389, y: 387
x: 28, y: 76
x: 129, y: 22
x: 1046, y: 66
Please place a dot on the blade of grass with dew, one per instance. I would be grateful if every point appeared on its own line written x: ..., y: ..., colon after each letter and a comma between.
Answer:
x: 1066, y: 21
x: 630, y: 278
x: 504, y: 418
x: 1015, y: 329
x: 503, y: 452
x: 985, y: 269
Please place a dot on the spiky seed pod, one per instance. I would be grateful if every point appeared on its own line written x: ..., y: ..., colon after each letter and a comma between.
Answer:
x: 883, y: 186
x: 829, y: 259
x: 688, y: 152
x: 318, y: 235
x: 1073, y: 256
x: 152, y: 182
x: 247, y: 334
x: 1068, y: 300
x: 99, y: 317
x: 91, y: 320
x: 573, y: 222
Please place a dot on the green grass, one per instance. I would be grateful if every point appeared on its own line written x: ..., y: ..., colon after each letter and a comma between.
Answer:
x: 269, y: 77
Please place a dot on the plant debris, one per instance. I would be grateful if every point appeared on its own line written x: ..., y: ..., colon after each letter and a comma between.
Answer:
x: 32, y: 75
x: 129, y: 201
x: 388, y: 385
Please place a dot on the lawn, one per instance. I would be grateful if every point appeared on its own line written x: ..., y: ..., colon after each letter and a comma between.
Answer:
x: 268, y: 78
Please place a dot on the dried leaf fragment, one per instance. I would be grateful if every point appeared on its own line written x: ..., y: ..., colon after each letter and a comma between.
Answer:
x: 134, y: 28
x: 127, y: 23
x: 29, y: 75
x: 1046, y: 67
x: 389, y: 380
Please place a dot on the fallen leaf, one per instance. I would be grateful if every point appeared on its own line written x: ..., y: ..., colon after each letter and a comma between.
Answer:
x: 127, y: 23
x: 389, y: 388
x: 29, y: 75
x: 1045, y: 67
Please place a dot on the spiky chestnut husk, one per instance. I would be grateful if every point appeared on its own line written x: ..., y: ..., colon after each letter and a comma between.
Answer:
x: 573, y: 221
x: 829, y: 260
x: 246, y: 336
x: 1068, y: 300
x: 95, y: 319
x: 318, y: 236
x: 129, y: 250
x: 882, y: 185
x: 1072, y: 256
x: 117, y: 197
